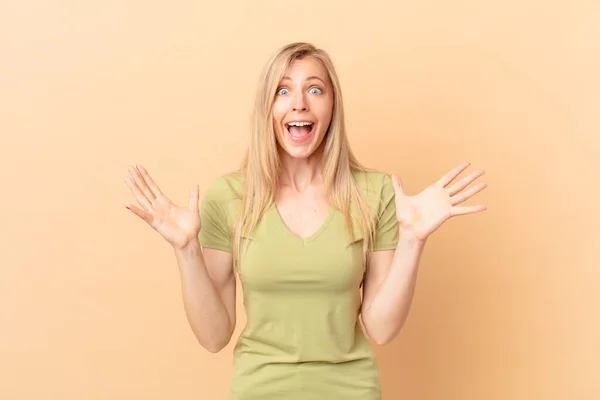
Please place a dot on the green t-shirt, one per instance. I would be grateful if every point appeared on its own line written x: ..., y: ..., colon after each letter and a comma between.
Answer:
x: 303, y: 339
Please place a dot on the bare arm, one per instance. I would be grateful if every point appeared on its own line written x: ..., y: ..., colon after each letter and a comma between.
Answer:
x: 389, y: 289
x: 208, y: 290
x: 392, y: 275
x: 207, y: 280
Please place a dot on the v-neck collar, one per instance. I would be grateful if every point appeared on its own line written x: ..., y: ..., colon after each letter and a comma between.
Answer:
x: 289, y: 233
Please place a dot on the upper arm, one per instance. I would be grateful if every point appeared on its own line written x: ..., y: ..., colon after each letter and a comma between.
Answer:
x: 216, y: 241
x: 219, y: 265
x: 386, y: 240
x: 377, y: 270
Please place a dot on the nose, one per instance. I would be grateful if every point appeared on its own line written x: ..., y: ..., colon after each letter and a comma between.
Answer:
x: 299, y: 102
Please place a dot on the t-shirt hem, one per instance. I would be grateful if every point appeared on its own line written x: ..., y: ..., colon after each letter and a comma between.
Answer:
x: 391, y: 246
x: 215, y: 247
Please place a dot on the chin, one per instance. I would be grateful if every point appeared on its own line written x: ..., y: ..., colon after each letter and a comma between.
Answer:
x: 299, y: 149
x: 298, y: 153
x: 303, y: 151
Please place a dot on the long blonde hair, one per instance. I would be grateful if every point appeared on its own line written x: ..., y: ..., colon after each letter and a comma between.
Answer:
x: 261, y: 164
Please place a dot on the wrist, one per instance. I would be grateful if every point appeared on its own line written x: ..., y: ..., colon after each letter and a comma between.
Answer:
x: 192, y: 246
x: 408, y: 238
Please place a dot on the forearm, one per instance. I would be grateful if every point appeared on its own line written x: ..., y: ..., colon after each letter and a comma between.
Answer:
x: 387, y: 312
x: 204, y: 308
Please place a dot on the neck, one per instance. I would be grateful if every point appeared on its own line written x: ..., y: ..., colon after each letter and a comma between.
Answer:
x: 299, y: 173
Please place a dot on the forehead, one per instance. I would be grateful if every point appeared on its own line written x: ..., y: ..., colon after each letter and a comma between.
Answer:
x: 303, y: 68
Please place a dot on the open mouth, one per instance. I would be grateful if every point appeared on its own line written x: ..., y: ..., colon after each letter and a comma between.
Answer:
x: 299, y: 131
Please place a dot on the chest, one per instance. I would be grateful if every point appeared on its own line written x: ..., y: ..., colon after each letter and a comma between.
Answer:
x: 303, y: 215
x: 276, y: 260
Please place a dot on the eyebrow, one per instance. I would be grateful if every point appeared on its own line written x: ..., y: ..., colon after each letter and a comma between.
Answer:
x: 287, y: 78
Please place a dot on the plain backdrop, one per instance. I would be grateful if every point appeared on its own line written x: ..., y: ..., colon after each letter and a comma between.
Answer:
x: 506, y: 306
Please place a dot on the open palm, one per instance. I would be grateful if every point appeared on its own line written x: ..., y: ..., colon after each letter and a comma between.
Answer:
x: 178, y: 225
x: 425, y: 212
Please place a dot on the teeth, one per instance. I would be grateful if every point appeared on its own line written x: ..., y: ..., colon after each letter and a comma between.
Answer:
x: 299, y: 123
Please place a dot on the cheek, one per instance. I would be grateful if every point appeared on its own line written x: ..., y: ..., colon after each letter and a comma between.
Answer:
x: 325, y: 113
x: 279, y: 110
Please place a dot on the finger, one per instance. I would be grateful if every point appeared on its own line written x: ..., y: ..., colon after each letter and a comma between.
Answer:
x: 466, y: 210
x: 464, y: 182
x: 142, y: 200
x: 140, y: 213
x: 453, y: 173
x: 397, y: 184
x: 194, y: 198
x: 149, y: 181
x: 139, y: 181
x: 467, y: 194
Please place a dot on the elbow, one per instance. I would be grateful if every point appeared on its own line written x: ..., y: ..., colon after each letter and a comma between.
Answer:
x: 383, y: 339
x: 381, y: 342
x: 381, y: 334
x: 213, y: 341
x: 214, y: 349
x: 216, y: 346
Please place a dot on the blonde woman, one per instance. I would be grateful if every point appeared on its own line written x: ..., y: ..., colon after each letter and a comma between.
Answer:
x: 316, y: 239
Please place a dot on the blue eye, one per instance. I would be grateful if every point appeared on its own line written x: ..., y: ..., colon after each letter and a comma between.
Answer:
x: 315, y: 90
x: 282, y: 91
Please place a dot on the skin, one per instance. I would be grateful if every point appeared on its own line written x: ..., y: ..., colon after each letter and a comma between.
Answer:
x: 305, y: 93
x: 391, y: 277
x: 208, y: 291
x: 207, y: 278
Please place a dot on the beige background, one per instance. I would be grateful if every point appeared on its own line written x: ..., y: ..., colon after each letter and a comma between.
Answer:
x: 507, y: 305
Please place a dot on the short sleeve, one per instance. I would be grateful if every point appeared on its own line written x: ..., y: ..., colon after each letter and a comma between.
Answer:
x: 386, y: 228
x: 215, y: 209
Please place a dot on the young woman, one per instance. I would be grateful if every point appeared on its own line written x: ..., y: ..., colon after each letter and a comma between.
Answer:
x: 316, y: 239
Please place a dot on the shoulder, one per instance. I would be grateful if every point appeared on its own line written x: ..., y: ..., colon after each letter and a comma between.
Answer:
x: 225, y: 188
x: 224, y: 194
x: 378, y: 189
x: 373, y: 183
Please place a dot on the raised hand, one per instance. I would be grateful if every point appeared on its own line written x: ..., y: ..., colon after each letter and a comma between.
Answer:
x: 178, y: 225
x: 425, y: 212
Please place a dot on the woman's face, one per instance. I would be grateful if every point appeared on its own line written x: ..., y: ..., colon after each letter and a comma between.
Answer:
x: 303, y: 107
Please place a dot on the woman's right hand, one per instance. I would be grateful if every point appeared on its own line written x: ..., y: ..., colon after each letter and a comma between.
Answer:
x: 178, y: 225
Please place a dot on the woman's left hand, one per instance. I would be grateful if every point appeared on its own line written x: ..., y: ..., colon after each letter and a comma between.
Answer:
x: 425, y: 212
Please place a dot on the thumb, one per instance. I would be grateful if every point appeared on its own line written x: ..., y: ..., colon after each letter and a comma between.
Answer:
x: 194, y: 198
x: 397, y: 185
